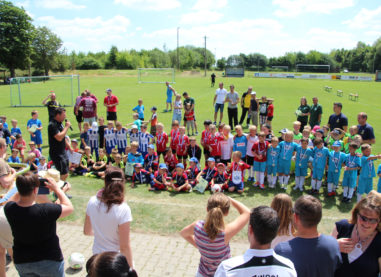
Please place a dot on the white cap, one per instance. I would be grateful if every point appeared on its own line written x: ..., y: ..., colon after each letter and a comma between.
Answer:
x: 134, y: 126
x: 253, y: 93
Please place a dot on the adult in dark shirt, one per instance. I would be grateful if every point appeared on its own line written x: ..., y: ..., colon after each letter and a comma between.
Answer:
x: 304, y: 113
x: 36, y: 249
x: 316, y: 110
x: 360, y: 239
x: 52, y: 104
x: 253, y: 109
x: 213, y: 79
x: 189, y: 100
x: 313, y: 254
x: 193, y: 150
x: 4, y: 132
x: 365, y: 130
x: 57, y: 142
x: 245, y: 105
x: 338, y: 119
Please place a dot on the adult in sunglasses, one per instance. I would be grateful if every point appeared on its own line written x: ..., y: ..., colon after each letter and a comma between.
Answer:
x: 360, y: 239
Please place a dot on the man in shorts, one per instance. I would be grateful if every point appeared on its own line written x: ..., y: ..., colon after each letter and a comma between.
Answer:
x: 78, y: 110
x: 218, y: 102
x: 170, y: 92
x: 110, y: 102
x: 89, y: 105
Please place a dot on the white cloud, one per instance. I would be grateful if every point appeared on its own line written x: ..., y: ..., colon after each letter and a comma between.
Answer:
x: 210, y: 4
x: 58, y: 4
x: 290, y: 8
x: 138, y: 28
x: 366, y: 19
x: 156, y: 5
x: 200, y: 17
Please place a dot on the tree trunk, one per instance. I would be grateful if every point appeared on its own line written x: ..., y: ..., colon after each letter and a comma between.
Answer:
x: 46, y: 71
x: 13, y: 72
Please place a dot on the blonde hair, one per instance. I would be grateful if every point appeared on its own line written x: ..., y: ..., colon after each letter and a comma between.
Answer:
x: 31, y: 156
x: 135, y: 144
x: 86, y: 124
x: 87, y: 148
x: 282, y: 204
x: 239, y: 127
x: 371, y: 202
x: 237, y: 153
x: 3, y: 143
x: 252, y: 128
x: 297, y: 123
x: 160, y: 125
x: 217, y: 207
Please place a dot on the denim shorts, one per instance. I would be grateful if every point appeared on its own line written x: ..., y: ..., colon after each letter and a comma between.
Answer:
x: 45, y: 268
x: 219, y: 107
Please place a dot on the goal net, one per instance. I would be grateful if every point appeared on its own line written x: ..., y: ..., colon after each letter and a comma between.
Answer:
x: 31, y: 91
x: 378, y: 76
x: 280, y: 68
x: 322, y: 68
x: 156, y: 75
x: 234, y: 72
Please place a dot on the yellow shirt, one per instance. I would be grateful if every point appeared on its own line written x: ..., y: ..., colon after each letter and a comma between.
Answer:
x: 246, y: 100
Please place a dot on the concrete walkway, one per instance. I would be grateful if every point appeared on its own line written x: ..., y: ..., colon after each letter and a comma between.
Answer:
x: 154, y: 255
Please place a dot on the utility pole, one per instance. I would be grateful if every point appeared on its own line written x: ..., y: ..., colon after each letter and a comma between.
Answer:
x: 178, y: 56
x: 205, y: 56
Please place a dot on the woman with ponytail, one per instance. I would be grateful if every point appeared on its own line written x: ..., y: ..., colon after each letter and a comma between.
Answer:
x: 211, y: 236
x: 108, y: 217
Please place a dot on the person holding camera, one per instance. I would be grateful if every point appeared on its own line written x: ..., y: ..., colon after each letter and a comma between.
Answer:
x: 36, y: 248
x: 52, y: 104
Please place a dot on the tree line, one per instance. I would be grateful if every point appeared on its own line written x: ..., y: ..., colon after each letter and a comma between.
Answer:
x: 39, y: 50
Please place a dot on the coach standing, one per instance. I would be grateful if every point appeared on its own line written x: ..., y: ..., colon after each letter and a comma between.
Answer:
x: 52, y: 104
x: 110, y: 102
x: 365, y: 130
x: 338, y: 119
x: 232, y: 98
x: 316, y: 110
x: 218, y: 102
x: 57, y: 144
x: 245, y: 104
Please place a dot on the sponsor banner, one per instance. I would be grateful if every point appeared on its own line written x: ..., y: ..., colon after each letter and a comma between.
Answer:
x: 311, y: 76
x: 356, y: 78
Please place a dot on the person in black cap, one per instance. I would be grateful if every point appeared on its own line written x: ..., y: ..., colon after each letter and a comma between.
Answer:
x: 153, y: 121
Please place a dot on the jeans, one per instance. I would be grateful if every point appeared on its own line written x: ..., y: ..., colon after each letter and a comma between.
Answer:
x: 254, y: 117
x: 233, y: 116
x: 243, y: 115
x: 177, y: 117
x: 45, y: 268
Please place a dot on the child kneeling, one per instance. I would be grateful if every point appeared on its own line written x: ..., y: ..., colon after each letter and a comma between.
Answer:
x: 236, y: 170
x: 180, y: 180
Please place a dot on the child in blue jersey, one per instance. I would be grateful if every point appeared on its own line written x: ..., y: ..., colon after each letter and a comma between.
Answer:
x: 145, y: 139
x: 303, y: 154
x: 134, y: 133
x: 320, y: 155
x: 34, y: 127
x: 141, y: 176
x: 139, y: 109
x: 85, y: 136
x: 14, y: 158
x: 14, y: 131
x: 367, y: 172
x: 109, y: 138
x: 379, y: 179
x: 352, y: 165
x: 93, y: 135
x: 151, y: 160
x: 121, y: 138
x: 272, y: 162
x: 335, y: 162
x: 240, y: 141
x: 286, y: 151
x: 134, y: 156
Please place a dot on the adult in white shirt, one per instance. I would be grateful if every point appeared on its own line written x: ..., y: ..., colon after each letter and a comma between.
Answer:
x: 260, y: 259
x: 218, y: 101
x: 108, y: 217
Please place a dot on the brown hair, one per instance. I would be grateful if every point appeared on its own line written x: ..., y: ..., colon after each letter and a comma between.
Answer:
x: 27, y: 183
x: 109, y: 264
x: 113, y: 191
x: 371, y: 202
x: 282, y: 204
x: 218, y: 206
x: 309, y: 210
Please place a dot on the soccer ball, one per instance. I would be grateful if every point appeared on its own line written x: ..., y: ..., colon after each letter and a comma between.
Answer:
x: 76, y: 260
x: 216, y: 188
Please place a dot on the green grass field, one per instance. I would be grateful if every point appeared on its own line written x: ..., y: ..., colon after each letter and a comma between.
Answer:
x: 167, y: 213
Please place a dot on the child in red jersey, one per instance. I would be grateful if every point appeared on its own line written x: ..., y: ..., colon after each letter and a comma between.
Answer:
x: 214, y: 143
x: 270, y: 112
x: 204, y: 139
x: 160, y: 179
x: 260, y: 158
x: 180, y: 179
x: 208, y: 172
x: 189, y: 118
x: 151, y: 160
x: 170, y: 160
x: 182, y: 142
x: 193, y: 171
x: 236, y: 170
x: 221, y: 178
x: 161, y: 140
x: 174, y: 134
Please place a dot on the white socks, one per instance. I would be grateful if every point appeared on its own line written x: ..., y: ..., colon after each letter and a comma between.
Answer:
x: 345, y: 191
x: 350, y: 193
x: 313, y: 183
x: 330, y: 186
x: 261, y: 178
x: 274, y: 180
x: 299, y: 182
x: 318, y: 184
x: 281, y: 180
x: 359, y: 196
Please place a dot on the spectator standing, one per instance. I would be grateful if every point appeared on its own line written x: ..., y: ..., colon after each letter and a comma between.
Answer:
x: 364, y: 129
x: 4, y: 132
x: 245, y: 105
x: 218, y: 102
x: 170, y: 92
x: 282, y: 204
x: 260, y: 259
x: 189, y: 100
x: 253, y: 110
x: 78, y: 110
x: 232, y: 98
x: 316, y: 110
x: 213, y: 79
x: 52, y: 104
x: 304, y: 113
x: 36, y: 249
x: 89, y: 105
x: 338, y: 119
x: 109, y: 263
x: 110, y: 102
x: 326, y: 258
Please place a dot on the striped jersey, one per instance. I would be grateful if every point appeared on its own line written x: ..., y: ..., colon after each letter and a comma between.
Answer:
x: 212, y: 252
x: 93, y: 138
x: 144, y: 141
x: 134, y: 136
x: 161, y: 141
x: 174, y: 134
x: 121, y: 138
x: 110, y: 137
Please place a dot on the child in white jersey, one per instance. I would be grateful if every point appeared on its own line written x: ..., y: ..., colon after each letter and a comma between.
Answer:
x: 251, y: 139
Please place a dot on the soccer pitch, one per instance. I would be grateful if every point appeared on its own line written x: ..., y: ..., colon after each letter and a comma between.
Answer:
x: 165, y: 212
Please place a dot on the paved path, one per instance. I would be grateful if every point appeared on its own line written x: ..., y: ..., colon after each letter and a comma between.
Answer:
x: 154, y: 255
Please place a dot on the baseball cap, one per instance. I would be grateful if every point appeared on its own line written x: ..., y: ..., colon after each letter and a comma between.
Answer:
x: 194, y: 160
x: 220, y: 164
x: 253, y: 93
x: 283, y: 131
x: 138, y: 165
x: 336, y: 132
x: 74, y: 140
x: 180, y: 165
x: 336, y: 144
x: 320, y: 131
x: 134, y: 126
x: 151, y: 146
x: 154, y: 108
x: 163, y: 166
x: 211, y: 160
x: 109, y: 89
x: 315, y: 128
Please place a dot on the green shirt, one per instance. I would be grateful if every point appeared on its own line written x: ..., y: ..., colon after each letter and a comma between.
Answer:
x: 189, y: 100
x: 315, y: 111
x: 303, y: 109
x: 120, y: 165
x: 298, y: 136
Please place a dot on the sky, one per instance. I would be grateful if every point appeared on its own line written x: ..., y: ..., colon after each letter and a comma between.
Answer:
x: 270, y: 27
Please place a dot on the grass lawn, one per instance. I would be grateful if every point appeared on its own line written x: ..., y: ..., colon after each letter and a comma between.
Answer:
x: 167, y: 213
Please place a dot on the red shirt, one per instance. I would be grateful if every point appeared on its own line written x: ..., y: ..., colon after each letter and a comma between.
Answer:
x: 181, y: 143
x: 19, y: 145
x: 205, y: 136
x: 171, y: 162
x: 89, y: 106
x: 260, y: 149
x: 174, y: 134
x: 189, y: 115
x: 215, y: 142
x: 270, y: 110
x: 237, y: 167
x: 161, y: 142
x: 110, y: 100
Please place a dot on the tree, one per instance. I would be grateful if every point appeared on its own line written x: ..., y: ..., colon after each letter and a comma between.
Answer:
x: 16, y: 33
x: 45, y: 49
x: 112, y: 57
x: 235, y: 61
x: 221, y: 63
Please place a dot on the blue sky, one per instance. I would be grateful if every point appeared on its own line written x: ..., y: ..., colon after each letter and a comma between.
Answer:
x: 271, y: 27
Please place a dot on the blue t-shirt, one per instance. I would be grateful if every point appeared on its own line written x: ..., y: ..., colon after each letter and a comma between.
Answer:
x: 286, y: 150
x: 366, y: 131
x: 240, y: 144
x: 336, y: 160
x: 379, y: 179
x: 139, y: 110
x: 13, y: 160
x: 367, y: 167
x: 337, y: 121
x: 138, y: 123
x: 85, y: 137
x: 316, y: 257
x: 15, y: 131
x: 303, y: 156
x: 272, y: 156
x: 36, y: 122
x: 169, y: 91
x: 320, y: 157
x: 135, y: 158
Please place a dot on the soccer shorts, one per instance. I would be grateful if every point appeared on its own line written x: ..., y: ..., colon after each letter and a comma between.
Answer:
x: 365, y: 185
x: 301, y: 171
x: 239, y: 186
x: 284, y: 167
x: 333, y: 177
x: 318, y: 173
x: 259, y: 166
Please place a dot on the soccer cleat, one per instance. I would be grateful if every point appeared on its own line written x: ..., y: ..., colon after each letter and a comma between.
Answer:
x: 256, y: 184
x: 296, y: 187
x: 344, y: 199
x: 262, y: 186
x: 196, y: 133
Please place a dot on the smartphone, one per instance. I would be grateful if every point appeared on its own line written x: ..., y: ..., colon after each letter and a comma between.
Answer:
x: 43, y: 189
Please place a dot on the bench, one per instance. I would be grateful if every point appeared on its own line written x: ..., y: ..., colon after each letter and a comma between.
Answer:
x: 353, y: 96
x: 339, y: 93
x: 327, y: 89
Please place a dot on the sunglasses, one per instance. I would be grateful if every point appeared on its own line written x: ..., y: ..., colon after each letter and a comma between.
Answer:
x: 367, y: 219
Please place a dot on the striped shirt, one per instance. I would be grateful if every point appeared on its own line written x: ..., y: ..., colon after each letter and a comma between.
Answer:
x: 110, y: 138
x: 121, y: 138
x: 144, y: 141
x: 93, y: 138
x: 134, y: 137
x: 212, y: 252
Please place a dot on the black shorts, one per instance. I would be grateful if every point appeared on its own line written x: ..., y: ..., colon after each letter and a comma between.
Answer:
x: 79, y: 117
x: 161, y: 153
x: 111, y: 116
x: 182, y: 157
x: 173, y: 151
x: 249, y: 160
x: 206, y: 152
x: 61, y: 163
x: 270, y: 118
x: 153, y: 130
x: 217, y: 159
x: 225, y: 162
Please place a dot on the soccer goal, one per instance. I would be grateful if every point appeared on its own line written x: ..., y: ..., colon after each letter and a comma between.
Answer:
x: 31, y: 91
x: 156, y: 75
x: 378, y: 76
x: 280, y: 68
x: 234, y: 72
x: 323, y: 68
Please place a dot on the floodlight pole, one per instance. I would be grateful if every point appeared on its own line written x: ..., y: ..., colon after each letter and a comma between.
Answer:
x: 205, y: 56
x: 178, y: 56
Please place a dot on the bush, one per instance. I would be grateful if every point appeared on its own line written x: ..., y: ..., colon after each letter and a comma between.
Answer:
x: 89, y: 63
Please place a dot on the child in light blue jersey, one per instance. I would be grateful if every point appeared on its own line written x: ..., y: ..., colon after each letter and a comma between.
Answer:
x: 240, y: 141
x: 14, y: 131
x: 139, y: 109
x: 335, y: 162
x: 352, y: 165
x: 286, y: 151
x: 368, y: 171
x: 303, y: 154
x: 320, y: 155
x: 272, y: 162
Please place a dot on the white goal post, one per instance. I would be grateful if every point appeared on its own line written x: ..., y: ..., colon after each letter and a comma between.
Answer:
x: 156, y: 75
x: 313, y: 66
